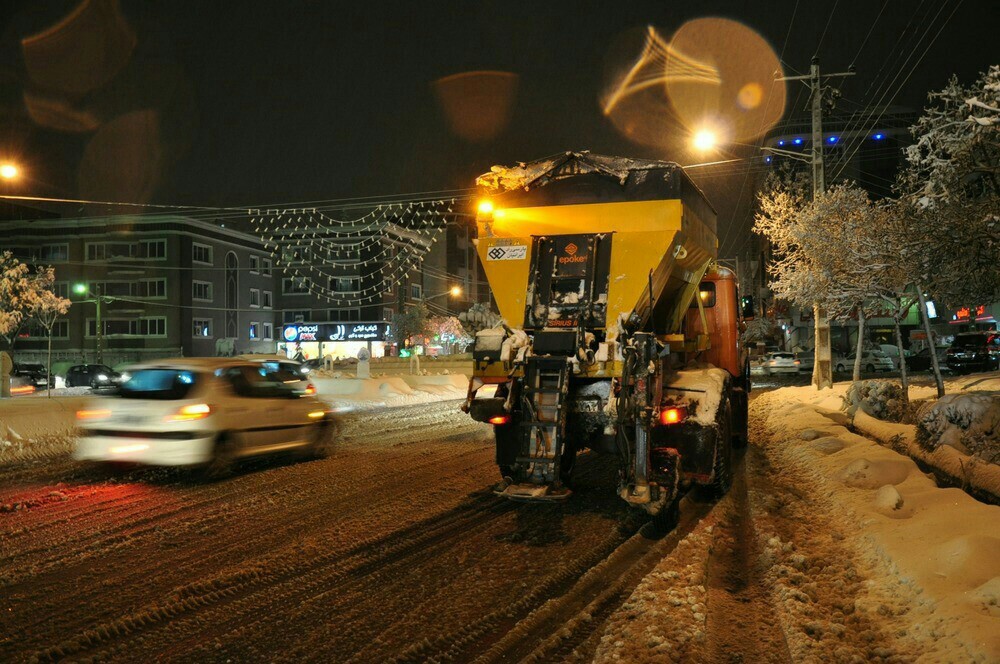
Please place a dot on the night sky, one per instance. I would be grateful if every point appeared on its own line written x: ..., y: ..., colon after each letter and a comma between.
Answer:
x: 255, y: 103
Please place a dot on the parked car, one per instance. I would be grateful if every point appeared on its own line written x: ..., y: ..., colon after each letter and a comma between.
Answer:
x: 207, y: 412
x: 780, y: 362
x: 921, y: 360
x: 871, y: 361
x: 92, y: 375
x: 32, y: 373
x: 892, y: 351
x: 974, y: 351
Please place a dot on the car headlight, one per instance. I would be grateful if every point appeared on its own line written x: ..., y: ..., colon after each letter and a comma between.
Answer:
x: 102, y: 377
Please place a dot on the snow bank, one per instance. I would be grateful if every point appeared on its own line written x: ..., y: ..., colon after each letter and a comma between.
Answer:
x: 936, y: 549
x: 364, y: 393
x: 880, y: 398
x: 968, y: 422
x: 36, y: 428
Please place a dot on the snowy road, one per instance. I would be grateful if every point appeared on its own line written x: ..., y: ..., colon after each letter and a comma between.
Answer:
x: 392, y: 548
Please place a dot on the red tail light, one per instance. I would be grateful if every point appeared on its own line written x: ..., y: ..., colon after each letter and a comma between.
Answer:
x: 673, y: 415
x: 310, y: 389
x: 500, y: 419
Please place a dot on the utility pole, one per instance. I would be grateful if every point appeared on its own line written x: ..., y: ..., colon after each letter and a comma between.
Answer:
x: 100, y: 331
x: 823, y: 364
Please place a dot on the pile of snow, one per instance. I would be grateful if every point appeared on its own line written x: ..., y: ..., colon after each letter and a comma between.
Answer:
x: 970, y: 423
x: 36, y: 428
x: 933, y: 552
x: 879, y: 398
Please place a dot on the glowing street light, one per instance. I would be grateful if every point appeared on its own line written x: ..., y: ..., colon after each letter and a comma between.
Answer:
x: 485, y: 207
x: 455, y: 291
x: 9, y: 171
x: 704, y: 140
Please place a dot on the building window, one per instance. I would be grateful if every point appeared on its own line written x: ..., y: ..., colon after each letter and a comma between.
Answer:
x: 345, y: 284
x: 254, y: 297
x: 266, y: 299
x: 296, y: 316
x: 294, y: 285
x: 201, y: 290
x: 295, y: 255
x: 61, y: 288
x: 416, y: 292
x: 60, y: 330
x: 254, y: 264
x: 265, y: 266
x: 147, y: 249
x: 53, y: 252
x: 345, y: 315
x: 201, y: 253
x: 387, y: 314
x: 202, y: 327
x: 268, y: 329
x: 254, y: 331
x: 140, y: 288
x: 154, y: 326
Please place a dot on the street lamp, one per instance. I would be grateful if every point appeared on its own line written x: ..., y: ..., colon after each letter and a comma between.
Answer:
x: 9, y: 171
x: 704, y: 140
x: 84, y: 289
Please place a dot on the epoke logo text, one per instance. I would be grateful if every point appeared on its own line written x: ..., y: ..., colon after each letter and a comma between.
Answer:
x: 571, y: 249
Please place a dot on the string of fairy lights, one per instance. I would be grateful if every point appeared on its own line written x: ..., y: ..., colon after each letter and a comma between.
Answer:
x: 312, y: 248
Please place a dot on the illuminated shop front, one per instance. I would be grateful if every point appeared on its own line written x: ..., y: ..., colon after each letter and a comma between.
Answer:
x: 339, y: 340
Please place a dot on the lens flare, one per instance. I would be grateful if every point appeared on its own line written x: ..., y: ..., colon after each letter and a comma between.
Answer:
x: 477, y: 104
x: 704, y: 140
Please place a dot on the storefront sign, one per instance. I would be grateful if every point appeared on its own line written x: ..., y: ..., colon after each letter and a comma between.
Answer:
x: 336, y: 332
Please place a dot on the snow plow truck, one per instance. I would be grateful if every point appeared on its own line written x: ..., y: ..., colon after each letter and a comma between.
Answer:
x: 620, y: 332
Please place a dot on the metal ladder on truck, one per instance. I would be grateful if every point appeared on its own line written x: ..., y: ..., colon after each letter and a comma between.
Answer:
x: 546, y: 386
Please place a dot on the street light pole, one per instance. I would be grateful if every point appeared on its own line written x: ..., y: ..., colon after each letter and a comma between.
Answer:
x: 100, y: 330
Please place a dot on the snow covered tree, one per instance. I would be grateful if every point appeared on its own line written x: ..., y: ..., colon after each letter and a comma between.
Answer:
x: 821, y: 249
x: 449, y: 330
x: 950, y: 198
x: 46, y: 307
x: 410, y: 323
x: 15, y: 284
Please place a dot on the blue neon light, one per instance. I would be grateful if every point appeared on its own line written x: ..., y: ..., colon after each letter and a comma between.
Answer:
x: 831, y: 139
x: 879, y: 136
x: 767, y: 160
x: 780, y: 143
x: 797, y: 141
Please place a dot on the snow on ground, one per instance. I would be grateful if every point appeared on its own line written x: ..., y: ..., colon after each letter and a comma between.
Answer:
x: 937, y: 547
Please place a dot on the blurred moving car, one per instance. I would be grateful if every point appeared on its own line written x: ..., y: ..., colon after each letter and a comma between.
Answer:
x: 921, y: 360
x: 974, y: 351
x: 206, y: 412
x: 291, y: 373
x: 807, y: 359
x: 780, y: 363
x: 33, y: 374
x: 92, y: 375
x: 871, y: 361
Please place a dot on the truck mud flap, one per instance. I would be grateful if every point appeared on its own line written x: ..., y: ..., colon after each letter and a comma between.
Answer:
x: 531, y: 493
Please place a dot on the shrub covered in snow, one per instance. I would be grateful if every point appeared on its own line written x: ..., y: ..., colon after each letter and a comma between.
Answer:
x: 969, y: 422
x: 882, y: 399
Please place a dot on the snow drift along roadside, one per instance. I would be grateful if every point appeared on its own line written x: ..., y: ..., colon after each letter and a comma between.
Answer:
x: 937, y: 548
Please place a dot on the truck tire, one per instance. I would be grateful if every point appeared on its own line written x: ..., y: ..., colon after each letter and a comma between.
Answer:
x: 722, y: 471
x: 666, y: 519
x: 508, y: 445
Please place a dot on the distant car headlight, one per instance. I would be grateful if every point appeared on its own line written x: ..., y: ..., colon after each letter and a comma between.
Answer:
x: 305, y: 370
x: 102, y: 377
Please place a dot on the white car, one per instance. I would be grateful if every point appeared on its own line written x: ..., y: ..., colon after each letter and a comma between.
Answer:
x: 780, y: 363
x: 205, y: 412
x: 871, y: 361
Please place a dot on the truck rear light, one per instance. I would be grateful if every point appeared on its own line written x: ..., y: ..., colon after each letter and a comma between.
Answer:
x: 500, y: 419
x: 673, y: 415
x: 190, y: 412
